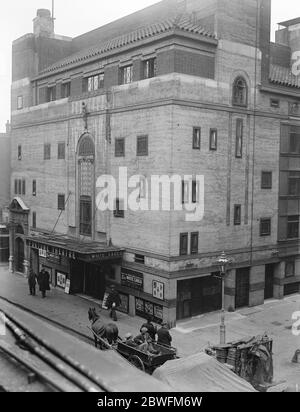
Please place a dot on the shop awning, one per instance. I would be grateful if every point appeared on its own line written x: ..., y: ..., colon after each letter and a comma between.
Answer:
x: 73, y: 248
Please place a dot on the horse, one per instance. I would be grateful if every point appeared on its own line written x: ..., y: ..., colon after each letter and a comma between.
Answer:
x: 107, y: 331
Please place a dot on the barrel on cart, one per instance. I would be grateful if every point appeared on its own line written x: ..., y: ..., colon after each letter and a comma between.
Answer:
x: 4, y: 244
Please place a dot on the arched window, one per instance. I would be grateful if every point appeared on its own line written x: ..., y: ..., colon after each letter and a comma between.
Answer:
x: 240, y: 92
x: 86, y: 163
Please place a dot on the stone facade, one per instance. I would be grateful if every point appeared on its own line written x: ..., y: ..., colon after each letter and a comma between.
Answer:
x: 192, y: 88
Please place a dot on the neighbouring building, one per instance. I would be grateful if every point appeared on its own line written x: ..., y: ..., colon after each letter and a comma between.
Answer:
x: 188, y: 88
x: 4, y: 193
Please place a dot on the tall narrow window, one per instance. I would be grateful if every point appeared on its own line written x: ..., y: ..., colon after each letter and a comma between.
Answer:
x: 194, y: 243
x: 47, y: 151
x: 185, y: 192
x: 183, y: 244
x: 20, y: 186
x: 61, y: 202
x: 20, y: 102
x: 237, y: 215
x: 149, y: 68
x: 19, y: 152
x: 16, y: 187
x: 34, y: 188
x: 85, y: 216
x: 51, y: 94
x: 213, y: 139
x: 240, y: 92
x: 61, y: 149
x: 34, y: 220
x: 66, y: 90
x: 194, y: 191
x: 239, y: 138
x: 119, y: 209
x: 197, y: 138
x: 266, y: 180
x: 142, y: 146
x: 23, y: 187
x: 126, y: 74
x: 120, y: 147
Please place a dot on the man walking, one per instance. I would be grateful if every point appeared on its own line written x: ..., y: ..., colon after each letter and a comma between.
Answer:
x: 43, y: 280
x: 113, y: 301
x: 31, y: 282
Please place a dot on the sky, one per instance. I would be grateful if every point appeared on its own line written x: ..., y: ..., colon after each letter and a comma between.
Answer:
x: 77, y: 17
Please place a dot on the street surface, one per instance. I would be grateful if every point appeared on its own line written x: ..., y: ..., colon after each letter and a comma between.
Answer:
x: 190, y: 336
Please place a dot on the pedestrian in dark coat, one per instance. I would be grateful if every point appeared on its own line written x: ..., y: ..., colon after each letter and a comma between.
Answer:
x: 31, y: 282
x: 113, y: 301
x: 150, y: 327
x: 44, y: 282
x: 163, y: 335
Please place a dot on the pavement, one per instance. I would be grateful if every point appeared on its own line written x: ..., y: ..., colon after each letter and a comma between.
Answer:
x: 189, y: 336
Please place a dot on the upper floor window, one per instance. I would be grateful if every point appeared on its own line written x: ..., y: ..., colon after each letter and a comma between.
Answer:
x: 266, y: 180
x: 119, y: 209
x: 237, y: 215
x: 66, y: 90
x: 61, y: 151
x: 183, y: 248
x: 19, y: 152
x: 95, y: 82
x: 194, y: 243
x: 239, y: 138
x: 120, y: 147
x: 294, y: 183
x: 20, y: 102
x: 289, y: 268
x: 265, y: 227
x: 126, y: 74
x: 34, y: 220
x: 61, y: 202
x: 139, y: 258
x: 149, y: 68
x: 34, y: 188
x: 293, y: 227
x: 47, y: 151
x: 20, y: 187
x: 142, y: 146
x: 51, y: 94
x: 197, y: 138
x: 213, y: 139
x: 240, y: 92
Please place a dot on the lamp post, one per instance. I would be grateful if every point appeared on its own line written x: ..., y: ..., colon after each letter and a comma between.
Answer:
x: 222, y: 262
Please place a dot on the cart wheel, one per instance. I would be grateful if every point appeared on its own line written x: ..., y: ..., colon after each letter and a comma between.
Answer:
x: 137, y: 362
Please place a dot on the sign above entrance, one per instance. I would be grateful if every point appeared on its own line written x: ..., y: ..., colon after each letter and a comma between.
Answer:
x: 132, y: 279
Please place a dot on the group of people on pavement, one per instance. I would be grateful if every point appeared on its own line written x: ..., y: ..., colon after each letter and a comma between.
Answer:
x: 43, y: 280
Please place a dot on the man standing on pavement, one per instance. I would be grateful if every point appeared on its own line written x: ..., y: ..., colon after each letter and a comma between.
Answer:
x: 113, y: 301
x: 43, y: 280
x: 31, y: 282
x: 163, y: 335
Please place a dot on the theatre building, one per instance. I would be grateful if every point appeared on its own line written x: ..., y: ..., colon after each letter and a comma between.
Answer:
x: 185, y: 88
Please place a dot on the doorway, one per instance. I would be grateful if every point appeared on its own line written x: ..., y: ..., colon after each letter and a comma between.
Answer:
x: 242, y: 288
x: 269, y: 282
x: 19, y: 255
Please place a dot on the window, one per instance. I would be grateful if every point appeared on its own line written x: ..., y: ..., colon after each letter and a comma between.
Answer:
x: 194, y: 243
x: 265, y: 227
x: 95, y: 82
x: 194, y: 191
x: 20, y: 102
x: 294, y: 184
x: 139, y: 259
x: 23, y: 187
x: 197, y: 138
x: 183, y: 244
x: 240, y: 92
x: 213, y: 139
x: 16, y: 187
x: 293, y: 227
x: 239, y: 138
x: 85, y: 225
x: 237, y: 215
x: 119, y: 210
x: 149, y: 68
x: 185, y: 192
x: 61, y: 151
x: 19, y: 186
x: 19, y: 152
x: 289, y: 268
x: 120, y: 147
x: 51, y: 94
x: 126, y: 75
x: 47, y: 151
x: 34, y: 220
x: 66, y: 90
x: 61, y: 202
x: 34, y: 188
x: 266, y: 180
x: 142, y: 146
x: 275, y: 103
x: 294, y: 143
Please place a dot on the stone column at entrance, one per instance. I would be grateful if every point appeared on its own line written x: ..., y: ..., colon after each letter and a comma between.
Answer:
x: 230, y: 289
x: 11, y: 248
x: 279, y: 275
x: 257, y: 285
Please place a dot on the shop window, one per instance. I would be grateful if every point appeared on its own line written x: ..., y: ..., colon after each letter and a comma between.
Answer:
x: 47, y: 151
x: 126, y: 75
x: 194, y: 243
x: 293, y: 227
x: 196, y: 138
x: 213, y: 139
x: 149, y: 68
x: 237, y: 215
x: 265, y: 227
x: 61, y: 151
x: 142, y: 146
x: 266, y: 180
x: 61, y: 202
x: 239, y: 138
x: 183, y: 244
x: 289, y: 268
x: 120, y: 147
x: 240, y: 92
